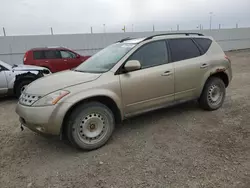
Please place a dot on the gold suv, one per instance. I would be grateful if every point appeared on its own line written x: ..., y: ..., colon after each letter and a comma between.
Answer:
x: 127, y: 78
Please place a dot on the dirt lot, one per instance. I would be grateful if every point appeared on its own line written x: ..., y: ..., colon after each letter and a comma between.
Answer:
x: 182, y: 146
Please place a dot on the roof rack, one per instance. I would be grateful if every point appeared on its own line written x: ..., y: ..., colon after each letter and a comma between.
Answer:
x: 187, y: 34
x: 122, y: 40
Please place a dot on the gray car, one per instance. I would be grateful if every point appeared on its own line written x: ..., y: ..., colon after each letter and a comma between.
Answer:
x: 125, y: 79
x: 14, y: 79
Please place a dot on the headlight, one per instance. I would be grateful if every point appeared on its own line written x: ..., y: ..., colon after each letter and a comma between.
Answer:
x: 51, y: 99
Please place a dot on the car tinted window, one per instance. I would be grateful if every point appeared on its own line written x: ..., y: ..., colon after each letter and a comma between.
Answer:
x: 38, y: 55
x: 67, y: 54
x: 52, y: 54
x: 203, y: 43
x: 182, y: 49
x: 151, y: 54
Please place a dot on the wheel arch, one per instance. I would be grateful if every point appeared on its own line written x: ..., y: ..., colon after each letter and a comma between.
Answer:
x: 106, y: 100
x: 21, y: 77
x: 222, y: 75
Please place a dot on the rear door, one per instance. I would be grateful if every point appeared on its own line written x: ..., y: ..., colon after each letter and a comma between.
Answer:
x: 190, y: 67
x: 153, y: 85
x: 3, y: 81
x: 54, y: 59
x: 70, y: 58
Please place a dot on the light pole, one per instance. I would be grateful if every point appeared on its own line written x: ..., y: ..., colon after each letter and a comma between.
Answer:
x: 51, y: 31
x: 4, y: 32
x: 210, y: 21
x: 104, y: 28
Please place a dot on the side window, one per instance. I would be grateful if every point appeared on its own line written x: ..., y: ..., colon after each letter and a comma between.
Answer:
x: 151, y: 54
x: 67, y: 54
x: 38, y: 55
x: 203, y: 43
x: 182, y: 49
x: 52, y: 54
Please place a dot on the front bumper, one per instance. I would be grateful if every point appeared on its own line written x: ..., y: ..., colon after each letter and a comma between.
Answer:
x: 46, y: 120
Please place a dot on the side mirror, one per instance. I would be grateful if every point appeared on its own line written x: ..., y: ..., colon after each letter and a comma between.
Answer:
x: 132, y: 65
x: 78, y: 56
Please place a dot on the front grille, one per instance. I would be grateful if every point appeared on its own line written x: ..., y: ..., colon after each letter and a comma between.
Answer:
x: 27, y: 99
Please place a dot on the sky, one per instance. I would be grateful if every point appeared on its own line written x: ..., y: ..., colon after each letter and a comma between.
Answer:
x: 27, y: 17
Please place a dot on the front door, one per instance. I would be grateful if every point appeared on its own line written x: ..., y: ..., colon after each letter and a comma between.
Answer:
x: 3, y: 82
x: 153, y: 85
x: 70, y: 58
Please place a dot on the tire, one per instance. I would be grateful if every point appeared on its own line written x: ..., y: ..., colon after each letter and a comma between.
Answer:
x: 19, y: 88
x: 213, y: 94
x: 90, y: 126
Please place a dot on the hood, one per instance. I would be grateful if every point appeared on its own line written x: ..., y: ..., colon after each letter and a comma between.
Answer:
x: 59, y: 81
x: 27, y: 68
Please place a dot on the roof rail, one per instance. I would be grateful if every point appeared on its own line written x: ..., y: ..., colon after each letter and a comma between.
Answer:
x: 122, y: 40
x: 187, y: 34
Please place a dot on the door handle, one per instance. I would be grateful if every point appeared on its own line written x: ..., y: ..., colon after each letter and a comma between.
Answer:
x: 65, y: 60
x: 167, y: 73
x: 203, y: 66
x: 46, y: 61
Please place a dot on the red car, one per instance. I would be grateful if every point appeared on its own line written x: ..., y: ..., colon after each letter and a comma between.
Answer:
x: 55, y: 59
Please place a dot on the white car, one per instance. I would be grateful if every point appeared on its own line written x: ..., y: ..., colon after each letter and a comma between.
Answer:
x: 14, y: 79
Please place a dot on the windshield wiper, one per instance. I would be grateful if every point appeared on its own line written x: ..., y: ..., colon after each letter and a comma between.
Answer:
x: 13, y: 66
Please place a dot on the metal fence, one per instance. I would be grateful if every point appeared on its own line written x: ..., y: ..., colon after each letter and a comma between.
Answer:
x: 12, y: 48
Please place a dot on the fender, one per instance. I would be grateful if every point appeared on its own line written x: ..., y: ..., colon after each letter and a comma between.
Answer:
x: 28, y: 75
x: 215, y: 70
x: 87, y: 94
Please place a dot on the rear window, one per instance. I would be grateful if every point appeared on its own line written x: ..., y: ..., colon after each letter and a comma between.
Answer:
x: 52, y: 54
x: 38, y: 55
x: 203, y: 43
x: 182, y: 49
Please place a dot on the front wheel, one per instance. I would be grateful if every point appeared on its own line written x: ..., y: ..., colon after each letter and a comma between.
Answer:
x: 213, y: 94
x: 90, y: 125
x: 21, y: 86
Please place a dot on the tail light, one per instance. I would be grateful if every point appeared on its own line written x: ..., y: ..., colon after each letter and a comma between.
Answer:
x: 25, y: 57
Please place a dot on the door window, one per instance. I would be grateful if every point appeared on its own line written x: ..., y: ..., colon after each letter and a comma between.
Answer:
x: 38, y: 55
x: 68, y: 54
x: 182, y: 49
x: 52, y: 54
x: 152, y: 54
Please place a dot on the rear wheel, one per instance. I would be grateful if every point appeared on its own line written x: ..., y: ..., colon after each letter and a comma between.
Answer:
x: 213, y: 94
x: 90, y: 126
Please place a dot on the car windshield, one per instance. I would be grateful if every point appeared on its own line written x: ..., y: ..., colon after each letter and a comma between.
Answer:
x: 104, y: 60
x: 7, y: 66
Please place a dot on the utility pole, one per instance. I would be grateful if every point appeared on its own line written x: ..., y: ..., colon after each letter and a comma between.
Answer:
x: 178, y: 27
x: 4, y: 32
x: 237, y: 25
x: 219, y: 26
x: 210, y: 21
x: 51, y: 31
x: 153, y: 28
x: 91, y: 30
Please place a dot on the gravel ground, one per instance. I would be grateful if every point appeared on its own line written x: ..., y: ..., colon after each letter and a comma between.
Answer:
x: 182, y: 146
